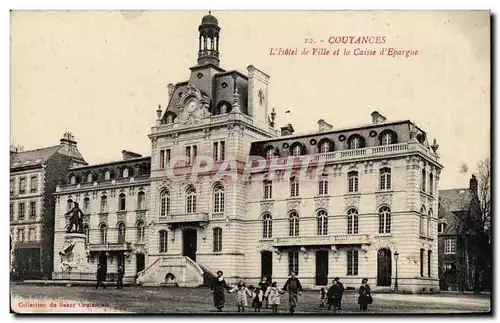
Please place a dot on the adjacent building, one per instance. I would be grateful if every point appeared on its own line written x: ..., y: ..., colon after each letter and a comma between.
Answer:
x: 356, y: 202
x: 34, y: 175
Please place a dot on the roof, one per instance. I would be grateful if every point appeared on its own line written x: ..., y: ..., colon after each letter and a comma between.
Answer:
x: 32, y: 157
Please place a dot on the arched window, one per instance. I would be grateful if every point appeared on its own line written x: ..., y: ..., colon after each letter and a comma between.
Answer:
x: 353, y: 181
x: 384, y: 220
x: 121, y: 202
x: 69, y: 205
x: 86, y: 205
x: 104, y: 204
x: 268, y: 190
x: 431, y: 184
x: 218, y: 199
x: 267, y: 226
x: 107, y: 175
x: 422, y: 221
x: 121, y: 233
x: 324, y: 147
x: 191, y: 200
x: 423, y: 180
x: 72, y: 179
x: 140, y: 231
x: 322, y: 223
x: 217, y: 236
x: 294, y: 187
x: 86, y: 231
x: 297, y: 150
x: 103, y: 230
x: 163, y: 240
x: 385, y: 178
x: 89, y: 178
x: 294, y: 224
x: 352, y: 221
x: 323, y: 185
x: 164, y: 203
x: 141, y: 200
x: 125, y: 173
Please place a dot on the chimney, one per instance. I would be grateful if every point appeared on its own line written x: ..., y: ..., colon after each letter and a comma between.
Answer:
x: 377, y: 117
x: 68, y: 141
x: 473, y: 184
x: 287, y: 130
x: 323, y: 125
x: 129, y: 155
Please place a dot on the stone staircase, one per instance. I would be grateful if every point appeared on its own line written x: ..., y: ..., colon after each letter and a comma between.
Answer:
x: 178, y: 271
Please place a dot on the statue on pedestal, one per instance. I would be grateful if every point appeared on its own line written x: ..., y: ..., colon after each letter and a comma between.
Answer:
x: 76, y: 219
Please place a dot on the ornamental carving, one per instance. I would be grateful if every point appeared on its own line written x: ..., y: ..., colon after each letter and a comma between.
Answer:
x: 193, y: 106
x: 266, y: 206
x: 352, y: 201
x: 321, y: 202
x: 384, y: 199
x: 293, y: 204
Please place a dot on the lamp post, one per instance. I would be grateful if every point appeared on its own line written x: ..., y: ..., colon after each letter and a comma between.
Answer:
x: 396, y: 257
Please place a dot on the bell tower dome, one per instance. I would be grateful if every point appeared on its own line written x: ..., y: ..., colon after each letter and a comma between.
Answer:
x: 208, y: 49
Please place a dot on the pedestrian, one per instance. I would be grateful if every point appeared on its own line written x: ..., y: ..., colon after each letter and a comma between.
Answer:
x: 218, y: 289
x: 119, y: 282
x: 264, y: 285
x: 273, y: 295
x: 294, y: 289
x: 241, y: 295
x: 365, y: 296
x: 322, y: 297
x: 335, y: 293
x: 101, y: 277
x: 257, y: 298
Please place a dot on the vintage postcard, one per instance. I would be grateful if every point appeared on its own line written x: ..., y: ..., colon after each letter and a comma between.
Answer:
x: 257, y: 162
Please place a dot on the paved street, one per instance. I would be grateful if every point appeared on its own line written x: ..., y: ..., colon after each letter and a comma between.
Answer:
x: 198, y: 300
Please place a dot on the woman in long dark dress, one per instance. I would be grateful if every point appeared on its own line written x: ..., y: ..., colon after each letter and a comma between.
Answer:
x: 218, y: 290
x: 365, y: 296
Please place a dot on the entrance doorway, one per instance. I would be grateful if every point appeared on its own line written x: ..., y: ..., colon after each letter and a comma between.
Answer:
x: 140, y: 262
x: 384, y: 267
x: 322, y: 267
x: 189, y: 237
x: 103, y: 261
x: 266, y: 264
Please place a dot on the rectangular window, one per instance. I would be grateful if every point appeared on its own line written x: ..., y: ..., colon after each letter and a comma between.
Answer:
x: 429, y: 261
x: 352, y: 262
x: 323, y: 187
x: 450, y: 246
x: 32, y: 209
x: 21, y: 211
x: 22, y: 185
x: 293, y: 262
x: 33, y: 184
x: 422, y: 257
x: 12, y: 186
x: 162, y: 158
x: 12, y: 211
x: 32, y: 234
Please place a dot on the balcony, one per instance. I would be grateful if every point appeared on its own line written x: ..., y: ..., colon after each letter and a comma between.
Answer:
x: 110, y: 246
x: 342, y: 239
x: 190, y: 218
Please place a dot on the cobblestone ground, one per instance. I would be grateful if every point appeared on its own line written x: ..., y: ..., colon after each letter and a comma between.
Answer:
x: 199, y: 300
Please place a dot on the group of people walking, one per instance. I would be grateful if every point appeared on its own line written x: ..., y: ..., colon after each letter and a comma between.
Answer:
x: 267, y: 294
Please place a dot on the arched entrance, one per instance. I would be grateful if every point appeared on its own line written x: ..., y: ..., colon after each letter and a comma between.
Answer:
x: 384, y: 267
x: 189, y: 243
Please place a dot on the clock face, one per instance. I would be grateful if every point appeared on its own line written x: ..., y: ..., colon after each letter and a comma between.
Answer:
x: 191, y: 105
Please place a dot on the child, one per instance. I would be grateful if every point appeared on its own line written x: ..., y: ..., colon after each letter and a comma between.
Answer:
x: 273, y: 295
x: 258, y: 297
x: 322, y: 295
x: 241, y: 296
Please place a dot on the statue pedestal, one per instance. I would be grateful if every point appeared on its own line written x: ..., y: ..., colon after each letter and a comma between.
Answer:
x: 74, y: 255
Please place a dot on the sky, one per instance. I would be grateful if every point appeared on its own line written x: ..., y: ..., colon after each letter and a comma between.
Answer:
x: 102, y: 75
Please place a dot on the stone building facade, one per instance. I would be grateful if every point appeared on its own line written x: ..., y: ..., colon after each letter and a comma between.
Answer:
x: 33, y: 178
x: 366, y: 192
